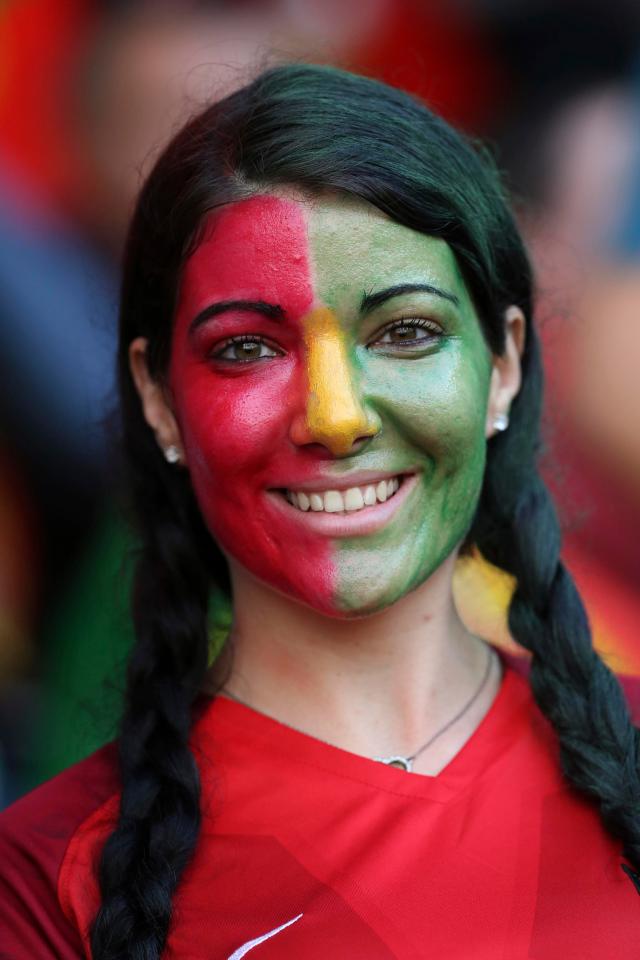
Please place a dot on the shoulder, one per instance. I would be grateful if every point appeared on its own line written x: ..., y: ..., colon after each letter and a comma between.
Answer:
x: 630, y: 684
x: 35, y: 833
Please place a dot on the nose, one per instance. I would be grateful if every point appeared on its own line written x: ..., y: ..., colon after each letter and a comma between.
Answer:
x: 334, y: 414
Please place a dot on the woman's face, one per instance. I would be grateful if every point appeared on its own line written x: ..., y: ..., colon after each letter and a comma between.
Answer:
x: 330, y: 382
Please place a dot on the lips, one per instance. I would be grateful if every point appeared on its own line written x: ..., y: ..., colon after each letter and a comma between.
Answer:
x: 342, y: 522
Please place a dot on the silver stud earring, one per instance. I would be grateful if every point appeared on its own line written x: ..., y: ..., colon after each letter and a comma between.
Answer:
x: 172, y: 454
x: 500, y: 422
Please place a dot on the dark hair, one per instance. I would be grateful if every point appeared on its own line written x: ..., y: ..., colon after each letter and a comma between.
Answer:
x: 320, y: 128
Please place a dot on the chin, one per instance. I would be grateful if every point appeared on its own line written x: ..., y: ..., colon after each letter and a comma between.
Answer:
x: 357, y: 599
x: 369, y: 599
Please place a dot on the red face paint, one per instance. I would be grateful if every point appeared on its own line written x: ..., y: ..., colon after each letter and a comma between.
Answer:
x: 236, y: 418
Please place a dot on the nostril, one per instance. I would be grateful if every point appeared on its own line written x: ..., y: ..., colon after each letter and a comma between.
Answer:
x: 348, y: 435
x: 359, y: 442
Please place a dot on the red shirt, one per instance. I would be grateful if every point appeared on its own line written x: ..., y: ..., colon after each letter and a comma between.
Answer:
x: 314, y: 852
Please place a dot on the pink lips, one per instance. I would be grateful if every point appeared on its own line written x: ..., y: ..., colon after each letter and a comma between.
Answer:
x: 356, y: 524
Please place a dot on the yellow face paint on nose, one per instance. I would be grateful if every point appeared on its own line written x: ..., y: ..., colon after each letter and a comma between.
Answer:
x: 335, y: 416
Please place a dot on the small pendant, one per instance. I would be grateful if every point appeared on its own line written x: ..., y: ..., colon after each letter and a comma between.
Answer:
x: 401, y: 763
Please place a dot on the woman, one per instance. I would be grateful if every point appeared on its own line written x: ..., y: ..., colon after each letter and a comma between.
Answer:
x: 331, y: 386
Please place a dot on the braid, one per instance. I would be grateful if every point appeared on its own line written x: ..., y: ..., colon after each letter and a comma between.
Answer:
x: 518, y: 530
x: 159, y: 815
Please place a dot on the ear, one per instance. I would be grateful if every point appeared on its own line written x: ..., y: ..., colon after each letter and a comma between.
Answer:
x: 506, y: 375
x: 156, y: 408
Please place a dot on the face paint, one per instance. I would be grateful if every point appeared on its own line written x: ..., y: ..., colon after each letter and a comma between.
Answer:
x: 358, y: 364
x: 334, y: 415
x: 235, y: 416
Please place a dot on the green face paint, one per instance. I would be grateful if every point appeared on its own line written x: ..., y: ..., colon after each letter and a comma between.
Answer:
x: 428, y: 396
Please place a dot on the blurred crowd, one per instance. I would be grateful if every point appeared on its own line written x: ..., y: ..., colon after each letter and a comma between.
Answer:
x: 89, y: 94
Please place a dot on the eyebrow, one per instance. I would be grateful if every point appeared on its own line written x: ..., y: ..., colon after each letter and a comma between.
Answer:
x: 271, y: 310
x: 372, y: 300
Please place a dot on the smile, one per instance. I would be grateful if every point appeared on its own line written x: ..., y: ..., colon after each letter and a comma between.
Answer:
x: 354, y: 511
x: 344, y: 501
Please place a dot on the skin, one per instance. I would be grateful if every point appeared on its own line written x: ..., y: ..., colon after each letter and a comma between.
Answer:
x: 335, y: 384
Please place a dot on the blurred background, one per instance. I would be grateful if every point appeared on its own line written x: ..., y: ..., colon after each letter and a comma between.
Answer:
x: 89, y: 94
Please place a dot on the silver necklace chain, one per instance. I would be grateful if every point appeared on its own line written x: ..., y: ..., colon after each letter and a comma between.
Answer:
x: 406, y: 763
x: 399, y: 761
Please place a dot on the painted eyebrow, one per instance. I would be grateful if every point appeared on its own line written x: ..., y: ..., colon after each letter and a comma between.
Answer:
x: 372, y: 300
x: 271, y: 310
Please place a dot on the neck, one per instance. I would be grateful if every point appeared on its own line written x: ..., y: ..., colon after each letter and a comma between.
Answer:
x: 377, y: 685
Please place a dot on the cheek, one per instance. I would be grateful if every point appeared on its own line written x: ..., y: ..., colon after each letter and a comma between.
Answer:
x: 438, y: 407
x: 235, y: 431
x: 231, y: 425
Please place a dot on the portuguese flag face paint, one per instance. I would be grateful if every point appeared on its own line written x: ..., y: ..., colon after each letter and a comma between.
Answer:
x: 330, y: 380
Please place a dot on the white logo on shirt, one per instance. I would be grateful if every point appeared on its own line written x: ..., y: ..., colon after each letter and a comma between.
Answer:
x: 244, y: 949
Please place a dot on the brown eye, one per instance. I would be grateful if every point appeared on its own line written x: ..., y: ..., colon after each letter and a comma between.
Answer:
x: 248, y: 350
x: 402, y: 334
x: 415, y: 332
x: 245, y: 349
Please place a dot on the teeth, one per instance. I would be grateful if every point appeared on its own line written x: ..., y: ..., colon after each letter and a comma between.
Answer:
x: 340, y: 501
x: 333, y: 502
x: 353, y: 499
x: 369, y: 496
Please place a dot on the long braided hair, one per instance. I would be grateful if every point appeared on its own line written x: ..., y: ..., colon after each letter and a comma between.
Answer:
x: 321, y: 128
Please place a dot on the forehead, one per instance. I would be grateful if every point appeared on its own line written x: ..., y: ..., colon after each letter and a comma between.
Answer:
x: 295, y: 251
x: 357, y: 249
